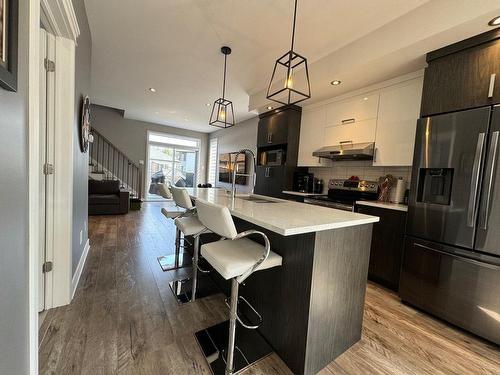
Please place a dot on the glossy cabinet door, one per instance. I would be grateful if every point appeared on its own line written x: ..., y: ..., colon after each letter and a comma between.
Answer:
x: 355, y: 109
x: 399, y: 109
x: 273, y: 130
x: 353, y: 132
x: 312, y: 130
x: 387, y: 245
x: 444, y: 282
x: 271, y: 181
x: 462, y: 80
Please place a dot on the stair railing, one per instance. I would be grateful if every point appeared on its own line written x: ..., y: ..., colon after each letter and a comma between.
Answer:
x: 113, y: 164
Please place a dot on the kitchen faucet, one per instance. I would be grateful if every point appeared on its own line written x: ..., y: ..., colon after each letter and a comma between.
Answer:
x: 235, y: 167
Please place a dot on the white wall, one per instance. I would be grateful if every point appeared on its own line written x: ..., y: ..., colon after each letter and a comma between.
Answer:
x: 242, y: 135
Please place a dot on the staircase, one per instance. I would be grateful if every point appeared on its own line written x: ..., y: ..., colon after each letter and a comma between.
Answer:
x: 107, y: 162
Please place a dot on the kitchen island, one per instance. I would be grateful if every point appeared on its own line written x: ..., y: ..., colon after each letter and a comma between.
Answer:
x: 312, y: 306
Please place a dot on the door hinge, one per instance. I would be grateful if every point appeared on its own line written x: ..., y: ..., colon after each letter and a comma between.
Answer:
x: 50, y: 66
x: 47, y: 267
x: 48, y: 169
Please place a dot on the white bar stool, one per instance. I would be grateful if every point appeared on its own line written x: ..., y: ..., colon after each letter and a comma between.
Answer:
x: 235, y: 258
x: 187, y: 224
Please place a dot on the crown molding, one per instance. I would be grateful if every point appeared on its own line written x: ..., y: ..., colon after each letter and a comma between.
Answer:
x: 60, y: 17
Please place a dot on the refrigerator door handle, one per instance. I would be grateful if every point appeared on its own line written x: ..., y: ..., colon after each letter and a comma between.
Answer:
x: 462, y: 258
x: 490, y: 174
x: 474, y: 183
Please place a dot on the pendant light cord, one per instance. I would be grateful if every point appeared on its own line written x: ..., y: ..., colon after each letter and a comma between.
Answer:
x: 293, y: 27
x: 224, y: 80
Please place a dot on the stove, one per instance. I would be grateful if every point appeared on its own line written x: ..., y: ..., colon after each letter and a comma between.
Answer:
x: 343, y: 194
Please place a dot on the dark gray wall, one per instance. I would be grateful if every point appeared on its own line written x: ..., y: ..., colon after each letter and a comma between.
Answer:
x: 242, y: 135
x: 130, y: 135
x: 80, y: 160
x: 14, y: 215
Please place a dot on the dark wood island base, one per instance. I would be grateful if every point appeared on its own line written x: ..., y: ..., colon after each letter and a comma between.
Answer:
x: 312, y: 306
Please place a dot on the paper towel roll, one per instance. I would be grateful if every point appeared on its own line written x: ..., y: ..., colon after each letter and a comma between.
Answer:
x: 398, y: 191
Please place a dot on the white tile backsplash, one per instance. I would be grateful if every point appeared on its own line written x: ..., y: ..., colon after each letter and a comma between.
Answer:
x: 363, y: 169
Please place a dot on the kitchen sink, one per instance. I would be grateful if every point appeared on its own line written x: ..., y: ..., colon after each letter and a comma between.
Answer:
x: 252, y: 198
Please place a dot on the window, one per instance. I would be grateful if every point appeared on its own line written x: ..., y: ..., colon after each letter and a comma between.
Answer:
x: 171, y: 159
x: 212, y: 161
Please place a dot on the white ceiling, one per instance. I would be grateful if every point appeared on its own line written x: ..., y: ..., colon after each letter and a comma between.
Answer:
x: 174, y: 46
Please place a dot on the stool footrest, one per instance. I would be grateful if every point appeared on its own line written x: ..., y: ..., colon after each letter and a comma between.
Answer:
x: 202, y: 270
x: 249, y: 324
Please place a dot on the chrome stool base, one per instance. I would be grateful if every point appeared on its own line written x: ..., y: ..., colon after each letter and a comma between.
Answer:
x: 183, y: 289
x: 250, y: 347
x: 172, y: 261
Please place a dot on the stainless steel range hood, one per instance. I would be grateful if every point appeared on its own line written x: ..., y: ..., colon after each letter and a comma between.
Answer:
x: 347, y: 151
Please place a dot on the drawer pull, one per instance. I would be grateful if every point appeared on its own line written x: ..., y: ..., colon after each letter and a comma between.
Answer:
x: 348, y: 121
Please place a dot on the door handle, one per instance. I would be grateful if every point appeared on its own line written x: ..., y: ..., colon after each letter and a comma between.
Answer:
x: 267, y: 172
x: 490, y: 174
x: 491, y: 88
x: 474, y: 182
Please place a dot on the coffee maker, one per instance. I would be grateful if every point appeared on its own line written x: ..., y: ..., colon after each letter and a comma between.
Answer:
x: 303, y: 182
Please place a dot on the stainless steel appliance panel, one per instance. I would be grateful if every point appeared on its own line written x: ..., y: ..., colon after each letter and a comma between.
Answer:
x: 446, y: 176
x: 464, y: 291
x: 488, y: 231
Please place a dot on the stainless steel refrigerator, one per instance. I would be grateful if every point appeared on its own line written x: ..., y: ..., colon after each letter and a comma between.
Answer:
x: 451, y: 262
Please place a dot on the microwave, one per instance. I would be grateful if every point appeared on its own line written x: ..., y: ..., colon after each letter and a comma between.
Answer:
x: 272, y: 157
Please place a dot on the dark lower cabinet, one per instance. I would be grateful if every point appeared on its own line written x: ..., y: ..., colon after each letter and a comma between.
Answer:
x: 387, y: 245
x: 271, y: 181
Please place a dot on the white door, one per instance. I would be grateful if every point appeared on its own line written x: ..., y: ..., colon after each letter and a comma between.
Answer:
x: 47, y: 103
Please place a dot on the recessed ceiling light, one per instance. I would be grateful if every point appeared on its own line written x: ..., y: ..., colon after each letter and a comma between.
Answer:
x: 495, y: 21
x: 208, y: 104
x: 152, y: 89
x: 270, y: 107
x: 172, y: 112
x: 365, y: 98
x: 335, y: 82
x: 157, y: 113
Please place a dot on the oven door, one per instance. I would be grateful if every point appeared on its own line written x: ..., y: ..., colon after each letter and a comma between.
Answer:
x: 329, y: 204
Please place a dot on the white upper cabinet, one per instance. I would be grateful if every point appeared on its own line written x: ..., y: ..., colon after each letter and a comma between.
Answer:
x: 358, y: 108
x: 312, y: 129
x: 352, y: 132
x: 399, y: 109
x: 386, y: 114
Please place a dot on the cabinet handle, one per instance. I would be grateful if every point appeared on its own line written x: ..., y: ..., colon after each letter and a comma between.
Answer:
x: 348, y: 121
x: 267, y: 172
x: 269, y: 137
x: 492, y: 85
x: 375, y: 155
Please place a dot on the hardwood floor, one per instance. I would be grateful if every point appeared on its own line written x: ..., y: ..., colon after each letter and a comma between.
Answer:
x: 124, y: 319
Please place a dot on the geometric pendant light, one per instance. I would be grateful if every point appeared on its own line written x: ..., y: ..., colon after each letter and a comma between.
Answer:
x: 290, y: 80
x: 222, y: 111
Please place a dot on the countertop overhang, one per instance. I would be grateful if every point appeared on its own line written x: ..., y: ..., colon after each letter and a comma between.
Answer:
x: 281, y: 216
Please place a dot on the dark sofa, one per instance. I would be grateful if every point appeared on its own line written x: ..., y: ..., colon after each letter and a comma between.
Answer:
x: 106, y: 198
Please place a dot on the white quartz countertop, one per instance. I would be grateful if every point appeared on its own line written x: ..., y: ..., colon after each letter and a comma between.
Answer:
x: 300, y: 194
x: 387, y: 205
x: 282, y: 216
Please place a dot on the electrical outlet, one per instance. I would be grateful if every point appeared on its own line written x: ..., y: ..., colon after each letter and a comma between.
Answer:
x: 81, y: 236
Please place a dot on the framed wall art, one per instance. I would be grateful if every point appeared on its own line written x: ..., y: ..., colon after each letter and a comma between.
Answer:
x: 8, y: 44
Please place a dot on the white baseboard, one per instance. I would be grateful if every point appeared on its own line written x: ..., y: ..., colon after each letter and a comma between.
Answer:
x: 79, y: 269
